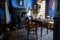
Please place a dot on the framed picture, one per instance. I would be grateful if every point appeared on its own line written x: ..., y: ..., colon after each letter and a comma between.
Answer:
x: 21, y: 2
x: 35, y: 6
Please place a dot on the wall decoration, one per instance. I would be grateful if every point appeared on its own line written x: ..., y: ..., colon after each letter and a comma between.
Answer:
x: 35, y: 6
x: 21, y: 2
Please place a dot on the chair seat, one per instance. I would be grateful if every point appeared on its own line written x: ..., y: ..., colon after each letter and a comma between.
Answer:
x: 32, y: 25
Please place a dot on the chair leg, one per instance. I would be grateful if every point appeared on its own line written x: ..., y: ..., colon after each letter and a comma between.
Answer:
x: 28, y: 34
x: 50, y: 28
x: 33, y: 30
x: 47, y: 30
x: 36, y: 33
x: 41, y: 31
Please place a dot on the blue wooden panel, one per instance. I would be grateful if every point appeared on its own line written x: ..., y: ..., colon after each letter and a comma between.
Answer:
x: 2, y: 15
x: 1, y: 10
x: 16, y: 5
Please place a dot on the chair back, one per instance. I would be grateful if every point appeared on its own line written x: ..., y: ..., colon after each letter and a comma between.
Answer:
x: 32, y: 24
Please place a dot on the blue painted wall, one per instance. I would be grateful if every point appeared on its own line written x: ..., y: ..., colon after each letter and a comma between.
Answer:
x: 16, y: 5
x: 30, y: 3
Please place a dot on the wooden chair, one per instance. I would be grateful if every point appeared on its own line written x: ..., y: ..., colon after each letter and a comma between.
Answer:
x: 32, y: 25
x: 51, y: 25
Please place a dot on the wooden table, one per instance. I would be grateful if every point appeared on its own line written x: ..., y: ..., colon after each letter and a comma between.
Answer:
x: 41, y: 22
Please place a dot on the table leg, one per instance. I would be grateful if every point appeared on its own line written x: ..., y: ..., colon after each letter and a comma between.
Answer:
x: 41, y: 30
x: 47, y: 28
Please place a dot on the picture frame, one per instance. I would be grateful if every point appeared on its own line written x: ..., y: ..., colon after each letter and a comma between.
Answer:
x: 35, y: 6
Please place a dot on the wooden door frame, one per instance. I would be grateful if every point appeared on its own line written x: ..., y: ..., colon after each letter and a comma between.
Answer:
x: 46, y: 8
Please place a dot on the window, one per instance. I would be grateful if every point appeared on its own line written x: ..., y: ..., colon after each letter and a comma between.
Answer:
x: 21, y: 2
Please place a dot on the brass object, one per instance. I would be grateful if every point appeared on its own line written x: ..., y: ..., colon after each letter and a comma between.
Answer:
x: 40, y: 1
